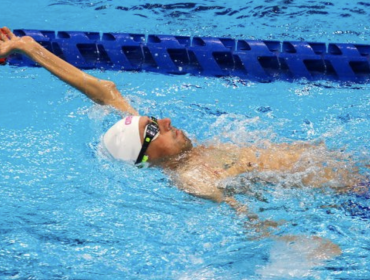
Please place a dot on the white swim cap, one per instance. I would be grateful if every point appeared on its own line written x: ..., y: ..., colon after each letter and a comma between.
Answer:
x: 122, y: 140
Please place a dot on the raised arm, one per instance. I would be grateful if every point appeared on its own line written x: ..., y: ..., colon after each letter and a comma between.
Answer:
x: 100, y: 91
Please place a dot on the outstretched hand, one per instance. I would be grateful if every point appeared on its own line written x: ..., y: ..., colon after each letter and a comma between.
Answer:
x: 9, y: 43
x: 5, y: 41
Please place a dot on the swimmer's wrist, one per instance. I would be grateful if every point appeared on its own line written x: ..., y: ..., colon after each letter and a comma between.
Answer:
x: 24, y: 45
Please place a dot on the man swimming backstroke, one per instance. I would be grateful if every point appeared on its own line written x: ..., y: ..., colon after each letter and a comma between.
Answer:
x: 198, y: 170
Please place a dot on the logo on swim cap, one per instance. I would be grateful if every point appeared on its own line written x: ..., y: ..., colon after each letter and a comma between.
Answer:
x: 128, y: 120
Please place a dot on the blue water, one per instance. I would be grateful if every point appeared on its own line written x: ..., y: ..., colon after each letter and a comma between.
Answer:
x: 68, y: 212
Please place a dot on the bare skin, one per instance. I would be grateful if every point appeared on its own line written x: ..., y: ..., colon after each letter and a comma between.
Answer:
x: 197, y: 170
x: 216, y: 163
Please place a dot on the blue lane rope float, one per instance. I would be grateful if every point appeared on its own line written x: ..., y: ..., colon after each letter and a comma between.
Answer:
x: 262, y: 61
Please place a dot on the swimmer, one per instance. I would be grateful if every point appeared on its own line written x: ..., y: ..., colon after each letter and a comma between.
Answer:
x: 197, y: 170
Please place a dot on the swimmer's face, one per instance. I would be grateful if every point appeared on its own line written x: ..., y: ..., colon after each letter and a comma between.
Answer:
x: 170, y: 142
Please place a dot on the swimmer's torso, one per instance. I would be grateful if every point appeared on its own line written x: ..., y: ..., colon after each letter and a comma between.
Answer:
x: 206, y: 166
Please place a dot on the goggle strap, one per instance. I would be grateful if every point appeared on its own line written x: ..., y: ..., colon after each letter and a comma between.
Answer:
x: 145, y: 146
x: 147, y: 140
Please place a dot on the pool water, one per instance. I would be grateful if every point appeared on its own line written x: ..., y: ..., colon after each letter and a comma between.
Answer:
x: 69, y: 212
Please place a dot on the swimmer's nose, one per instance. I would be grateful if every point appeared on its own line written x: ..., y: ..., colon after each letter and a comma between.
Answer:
x: 165, y: 124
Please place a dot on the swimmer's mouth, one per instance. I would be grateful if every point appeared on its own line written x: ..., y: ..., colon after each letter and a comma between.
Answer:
x: 177, y: 132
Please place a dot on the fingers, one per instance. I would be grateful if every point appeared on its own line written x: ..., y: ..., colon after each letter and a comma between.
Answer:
x: 8, y: 32
x: 3, y: 35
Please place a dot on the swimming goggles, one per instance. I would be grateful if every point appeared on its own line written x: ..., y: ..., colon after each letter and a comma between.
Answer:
x: 152, y: 130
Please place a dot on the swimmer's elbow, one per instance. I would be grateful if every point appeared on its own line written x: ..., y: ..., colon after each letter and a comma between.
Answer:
x: 112, y: 97
x: 106, y: 93
x: 110, y: 92
x: 215, y: 196
x: 191, y: 184
x: 109, y: 85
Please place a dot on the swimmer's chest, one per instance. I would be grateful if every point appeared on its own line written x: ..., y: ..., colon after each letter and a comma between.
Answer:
x: 221, y: 162
x: 225, y: 161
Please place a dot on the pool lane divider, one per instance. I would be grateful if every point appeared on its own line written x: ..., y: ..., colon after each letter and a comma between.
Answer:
x: 257, y: 60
